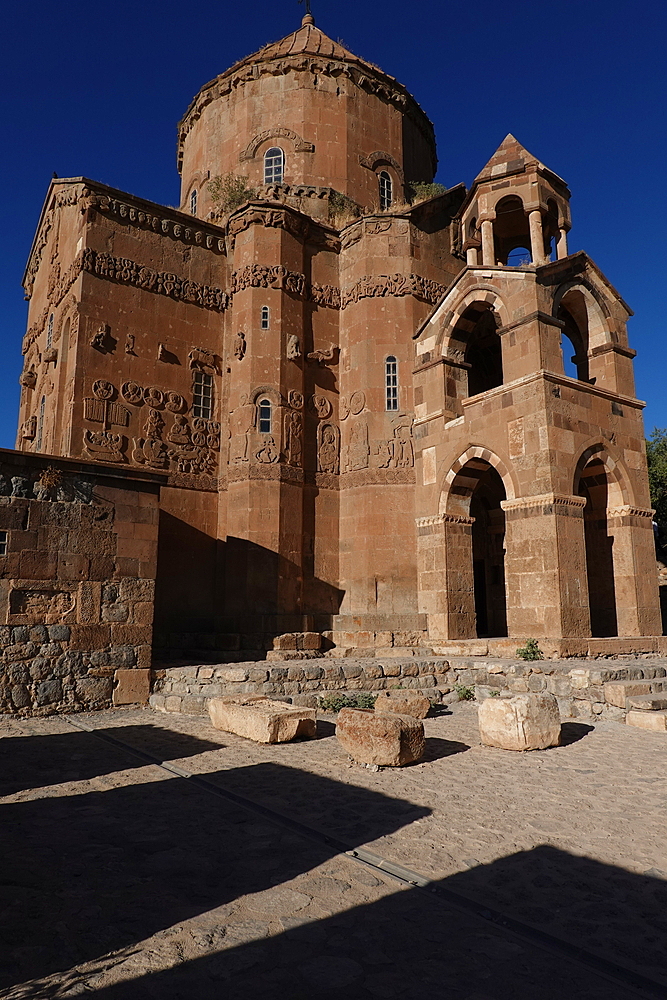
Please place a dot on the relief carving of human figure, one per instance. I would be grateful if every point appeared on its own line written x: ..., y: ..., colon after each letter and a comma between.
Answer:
x: 242, y: 422
x: 358, y: 450
x: 293, y: 438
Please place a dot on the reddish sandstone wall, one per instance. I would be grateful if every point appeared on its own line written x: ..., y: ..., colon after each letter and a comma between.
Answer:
x: 76, y: 584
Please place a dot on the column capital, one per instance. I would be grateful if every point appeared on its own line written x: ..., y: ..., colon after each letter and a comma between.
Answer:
x: 432, y: 519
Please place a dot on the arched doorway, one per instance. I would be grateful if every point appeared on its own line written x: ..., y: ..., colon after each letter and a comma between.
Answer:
x: 477, y: 491
x: 600, y: 491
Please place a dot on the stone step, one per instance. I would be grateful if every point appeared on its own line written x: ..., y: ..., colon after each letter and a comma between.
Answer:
x: 647, y: 702
x: 618, y: 692
x: 656, y: 721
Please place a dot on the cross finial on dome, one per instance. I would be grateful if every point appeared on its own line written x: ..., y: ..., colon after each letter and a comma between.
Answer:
x: 308, y: 16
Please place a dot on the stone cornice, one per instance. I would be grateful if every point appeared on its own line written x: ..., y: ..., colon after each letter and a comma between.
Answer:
x: 362, y: 74
x: 544, y: 375
x: 277, y: 276
x: 627, y: 510
x: 544, y: 500
x: 280, y: 216
x: 127, y: 208
x: 433, y: 519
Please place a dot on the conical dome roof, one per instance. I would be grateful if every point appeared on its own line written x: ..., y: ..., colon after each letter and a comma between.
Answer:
x: 294, y: 52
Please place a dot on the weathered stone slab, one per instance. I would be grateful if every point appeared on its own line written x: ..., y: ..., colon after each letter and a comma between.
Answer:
x: 262, y: 720
x: 385, y: 739
x: 647, y: 720
x: 403, y: 702
x: 616, y: 692
x: 523, y: 722
x: 131, y: 687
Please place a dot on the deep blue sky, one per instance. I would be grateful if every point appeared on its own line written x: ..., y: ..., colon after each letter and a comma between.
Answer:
x: 97, y: 90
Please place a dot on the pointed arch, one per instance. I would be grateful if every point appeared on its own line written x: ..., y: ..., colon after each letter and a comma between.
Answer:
x: 601, y: 452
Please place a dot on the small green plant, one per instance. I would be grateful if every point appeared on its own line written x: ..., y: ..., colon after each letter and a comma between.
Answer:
x: 332, y: 703
x: 422, y: 191
x: 342, y: 210
x: 531, y: 651
x: 494, y: 694
x: 464, y: 692
x: 230, y: 192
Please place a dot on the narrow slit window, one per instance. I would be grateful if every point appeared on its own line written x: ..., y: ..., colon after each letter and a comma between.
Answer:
x: 202, y: 395
x: 193, y: 201
x: 40, y: 424
x: 3, y: 543
x: 264, y: 318
x: 49, y: 332
x: 264, y: 416
x: 384, y: 181
x: 391, y: 382
x: 274, y: 165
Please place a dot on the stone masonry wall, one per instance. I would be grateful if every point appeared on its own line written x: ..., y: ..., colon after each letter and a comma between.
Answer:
x: 78, y: 545
x: 578, y: 686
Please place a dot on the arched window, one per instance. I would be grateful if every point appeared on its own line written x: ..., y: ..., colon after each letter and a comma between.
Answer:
x: 264, y: 318
x: 264, y: 408
x: 391, y: 382
x: 274, y: 165
x: 384, y: 180
x: 49, y: 332
x: 40, y: 424
x: 202, y: 395
x: 193, y: 201
x: 519, y: 257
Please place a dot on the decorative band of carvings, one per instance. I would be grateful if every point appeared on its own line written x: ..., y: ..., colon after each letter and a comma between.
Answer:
x: 188, y: 233
x: 380, y: 285
x: 128, y: 272
x: 426, y: 522
x: 627, y: 510
x: 277, y: 276
x: 377, y: 477
x: 362, y: 74
x: 543, y: 500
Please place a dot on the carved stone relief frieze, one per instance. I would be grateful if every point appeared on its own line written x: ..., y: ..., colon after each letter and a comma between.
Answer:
x: 125, y: 271
x: 293, y: 438
x: 101, y: 407
x: 300, y: 144
x: 29, y: 429
x: 320, y: 406
x: 268, y: 453
x: 398, y: 451
x: 377, y: 286
x: 295, y: 399
x: 328, y: 448
x: 293, y: 350
x: 240, y: 346
x: 324, y: 357
x: 104, y: 446
x: 203, y: 360
x: 241, y: 426
x: 357, y: 451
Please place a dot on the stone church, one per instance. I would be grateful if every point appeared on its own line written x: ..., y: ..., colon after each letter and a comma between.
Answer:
x: 365, y: 413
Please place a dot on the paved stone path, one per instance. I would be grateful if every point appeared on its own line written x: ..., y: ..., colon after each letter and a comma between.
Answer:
x: 128, y: 881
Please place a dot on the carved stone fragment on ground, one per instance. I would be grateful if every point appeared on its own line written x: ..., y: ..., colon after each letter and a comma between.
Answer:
x: 403, y: 702
x: 524, y: 722
x: 385, y: 739
x: 262, y: 720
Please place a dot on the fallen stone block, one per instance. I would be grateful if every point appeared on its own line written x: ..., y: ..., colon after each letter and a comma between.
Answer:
x: 523, y: 722
x: 385, y: 739
x: 131, y: 687
x: 403, y: 702
x: 258, y: 718
x: 656, y: 721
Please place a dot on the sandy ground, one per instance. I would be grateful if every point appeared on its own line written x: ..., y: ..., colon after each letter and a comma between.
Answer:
x: 125, y: 880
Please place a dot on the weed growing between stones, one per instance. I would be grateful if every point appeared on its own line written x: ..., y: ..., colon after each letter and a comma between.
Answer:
x: 464, y: 692
x: 334, y: 702
x: 531, y: 651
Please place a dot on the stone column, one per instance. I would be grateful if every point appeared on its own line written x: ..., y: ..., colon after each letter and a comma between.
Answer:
x: 446, y: 586
x: 635, y: 576
x: 536, y: 236
x: 471, y: 256
x: 545, y: 567
x: 488, y: 249
x: 561, y: 245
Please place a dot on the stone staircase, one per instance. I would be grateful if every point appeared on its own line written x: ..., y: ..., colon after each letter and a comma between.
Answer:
x: 644, y: 701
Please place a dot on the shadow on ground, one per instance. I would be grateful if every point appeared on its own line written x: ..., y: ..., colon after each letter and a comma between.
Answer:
x: 83, y: 875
